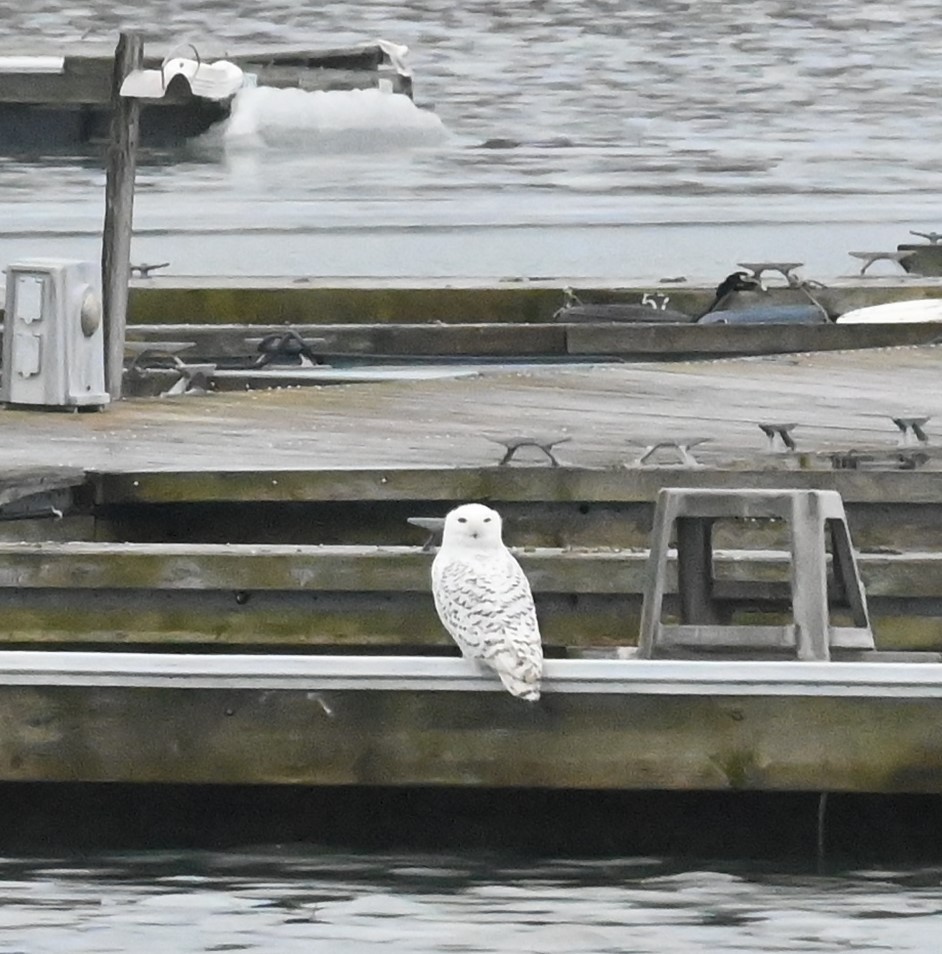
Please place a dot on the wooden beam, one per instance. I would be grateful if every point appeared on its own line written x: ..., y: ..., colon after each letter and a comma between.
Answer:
x: 119, y: 209
x: 377, y: 737
x: 501, y: 485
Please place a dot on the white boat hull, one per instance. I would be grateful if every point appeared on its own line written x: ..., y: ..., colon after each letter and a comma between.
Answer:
x: 895, y: 313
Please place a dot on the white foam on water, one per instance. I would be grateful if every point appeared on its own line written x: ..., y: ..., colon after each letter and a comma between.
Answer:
x: 360, y: 120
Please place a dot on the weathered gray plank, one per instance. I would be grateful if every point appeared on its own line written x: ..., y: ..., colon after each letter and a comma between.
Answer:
x: 665, y: 340
x: 19, y: 482
x: 510, y: 484
x: 323, y: 596
x: 840, y: 400
x: 381, y: 569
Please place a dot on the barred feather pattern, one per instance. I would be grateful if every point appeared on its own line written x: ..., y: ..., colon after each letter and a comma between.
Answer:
x: 484, y: 601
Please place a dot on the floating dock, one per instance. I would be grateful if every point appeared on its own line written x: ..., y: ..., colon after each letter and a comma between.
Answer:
x: 240, y: 570
x: 62, y: 98
x: 224, y: 320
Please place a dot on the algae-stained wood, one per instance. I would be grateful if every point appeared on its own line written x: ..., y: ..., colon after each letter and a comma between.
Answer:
x: 249, y: 568
x: 256, y: 301
x: 564, y: 484
x: 470, y: 738
x: 250, y: 299
x: 541, y: 506
x: 110, y: 594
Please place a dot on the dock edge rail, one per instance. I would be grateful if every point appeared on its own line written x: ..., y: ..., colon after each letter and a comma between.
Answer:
x: 430, y: 674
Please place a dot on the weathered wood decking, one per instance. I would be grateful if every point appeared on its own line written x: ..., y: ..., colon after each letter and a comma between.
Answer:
x: 840, y: 401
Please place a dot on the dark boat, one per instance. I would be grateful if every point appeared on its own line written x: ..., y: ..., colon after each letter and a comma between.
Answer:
x: 767, y: 315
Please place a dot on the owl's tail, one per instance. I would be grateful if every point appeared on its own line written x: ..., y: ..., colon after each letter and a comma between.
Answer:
x: 521, y: 677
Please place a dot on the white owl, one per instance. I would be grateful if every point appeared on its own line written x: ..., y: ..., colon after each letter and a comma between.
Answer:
x: 484, y: 600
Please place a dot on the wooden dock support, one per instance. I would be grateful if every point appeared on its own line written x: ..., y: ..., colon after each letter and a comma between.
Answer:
x: 119, y: 209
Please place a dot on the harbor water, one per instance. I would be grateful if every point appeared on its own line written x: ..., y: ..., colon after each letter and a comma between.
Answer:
x: 569, y: 139
x: 292, y: 900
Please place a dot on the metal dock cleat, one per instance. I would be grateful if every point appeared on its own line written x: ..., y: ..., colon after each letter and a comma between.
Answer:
x: 933, y: 238
x: 781, y: 431
x: 912, y: 427
x: 143, y: 270
x: 679, y: 448
x: 783, y: 268
x: 151, y: 356
x: 513, y: 444
x: 868, y: 258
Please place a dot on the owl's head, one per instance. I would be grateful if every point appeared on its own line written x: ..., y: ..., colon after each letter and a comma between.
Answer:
x: 472, y: 525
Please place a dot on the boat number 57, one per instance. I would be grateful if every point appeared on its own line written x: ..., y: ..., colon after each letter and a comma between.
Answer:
x: 657, y: 300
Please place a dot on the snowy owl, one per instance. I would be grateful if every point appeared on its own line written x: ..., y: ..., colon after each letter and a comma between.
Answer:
x: 484, y: 600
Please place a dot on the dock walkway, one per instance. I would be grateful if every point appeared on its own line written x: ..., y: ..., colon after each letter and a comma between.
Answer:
x: 840, y: 402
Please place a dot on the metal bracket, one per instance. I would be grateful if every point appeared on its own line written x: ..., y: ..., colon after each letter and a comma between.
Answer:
x: 513, y: 444
x: 868, y: 258
x: 903, y: 459
x: 434, y: 525
x: 850, y: 460
x: 681, y: 448
x: 912, y: 426
x: 782, y: 431
x: 911, y: 460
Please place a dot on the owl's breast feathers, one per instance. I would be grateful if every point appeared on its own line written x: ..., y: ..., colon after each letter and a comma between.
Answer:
x: 484, y: 601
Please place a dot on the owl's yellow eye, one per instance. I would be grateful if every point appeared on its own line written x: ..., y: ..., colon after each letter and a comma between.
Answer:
x: 462, y: 520
x: 487, y: 519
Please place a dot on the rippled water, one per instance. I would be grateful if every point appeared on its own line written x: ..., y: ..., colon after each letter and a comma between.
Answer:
x: 560, y: 138
x: 304, y: 901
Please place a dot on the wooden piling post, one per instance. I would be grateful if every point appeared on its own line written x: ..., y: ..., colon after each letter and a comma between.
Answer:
x: 119, y: 208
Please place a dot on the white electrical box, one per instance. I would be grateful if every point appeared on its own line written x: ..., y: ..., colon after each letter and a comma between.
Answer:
x: 53, y: 339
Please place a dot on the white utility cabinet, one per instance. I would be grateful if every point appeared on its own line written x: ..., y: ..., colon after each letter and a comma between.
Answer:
x: 53, y: 339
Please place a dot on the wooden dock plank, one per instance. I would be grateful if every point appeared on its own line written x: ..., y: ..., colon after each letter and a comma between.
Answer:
x: 366, y: 569
x: 271, y: 596
x: 218, y: 300
x: 470, y: 739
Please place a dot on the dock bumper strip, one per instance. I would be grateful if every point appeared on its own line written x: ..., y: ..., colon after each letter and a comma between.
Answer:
x: 435, y: 674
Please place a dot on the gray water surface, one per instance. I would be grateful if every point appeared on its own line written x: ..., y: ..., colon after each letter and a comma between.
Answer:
x: 284, y: 900
x: 560, y: 138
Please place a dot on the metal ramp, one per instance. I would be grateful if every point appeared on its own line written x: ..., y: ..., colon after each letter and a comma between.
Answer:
x: 703, y: 628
